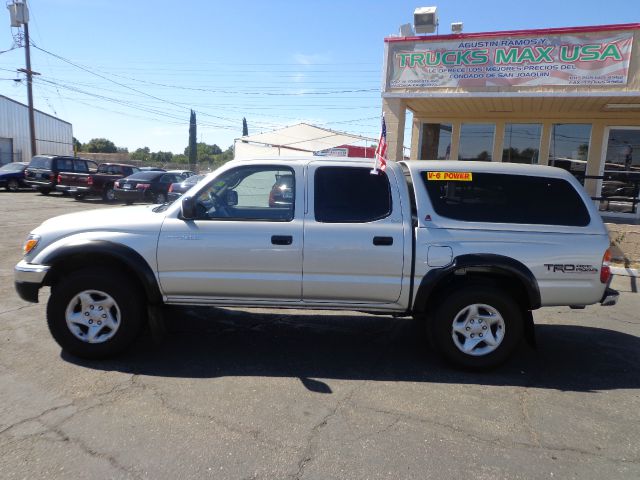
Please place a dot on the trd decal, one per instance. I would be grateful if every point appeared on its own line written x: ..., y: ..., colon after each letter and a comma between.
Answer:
x: 570, y: 268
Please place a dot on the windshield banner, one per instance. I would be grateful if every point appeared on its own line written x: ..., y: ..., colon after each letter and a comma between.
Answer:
x: 596, y: 58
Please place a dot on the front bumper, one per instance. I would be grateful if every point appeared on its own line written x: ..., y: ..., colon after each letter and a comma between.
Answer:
x: 28, y: 279
x: 610, y: 297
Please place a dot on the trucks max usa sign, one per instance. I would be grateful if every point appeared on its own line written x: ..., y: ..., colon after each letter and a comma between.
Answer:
x: 598, y: 58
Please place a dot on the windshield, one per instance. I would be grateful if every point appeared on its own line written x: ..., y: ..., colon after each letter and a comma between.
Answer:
x: 12, y: 167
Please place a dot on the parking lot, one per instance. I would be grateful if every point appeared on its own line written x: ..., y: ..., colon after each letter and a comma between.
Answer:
x: 267, y: 394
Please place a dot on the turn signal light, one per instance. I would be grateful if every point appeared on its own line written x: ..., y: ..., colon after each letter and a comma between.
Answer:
x: 605, y: 271
x: 30, y: 244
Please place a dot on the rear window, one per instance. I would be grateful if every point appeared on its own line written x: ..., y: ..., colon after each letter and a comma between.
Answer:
x: 500, y: 198
x: 148, y: 175
x: 40, y: 162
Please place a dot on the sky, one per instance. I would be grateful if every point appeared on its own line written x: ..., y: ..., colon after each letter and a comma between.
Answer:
x: 132, y: 71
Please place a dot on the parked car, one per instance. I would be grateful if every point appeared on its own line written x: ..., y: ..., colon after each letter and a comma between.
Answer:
x: 152, y: 169
x: 282, y: 191
x: 177, y: 189
x: 99, y: 184
x: 43, y: 170
x: 147, y: 186
x: 12, y: 176
x: 184, y: 174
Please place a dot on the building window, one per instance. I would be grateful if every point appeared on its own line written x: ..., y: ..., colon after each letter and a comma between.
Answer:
x: 621, y: 183
x: 476, y: 141
x: 569, y: 147
x: 521, y: 142
x: 436, y: 141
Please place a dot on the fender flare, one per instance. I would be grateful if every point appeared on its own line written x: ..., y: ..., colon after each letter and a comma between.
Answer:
x: 126, y: 255
x: 480, y: 262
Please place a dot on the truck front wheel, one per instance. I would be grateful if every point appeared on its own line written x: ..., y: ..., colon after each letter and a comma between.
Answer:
x: 95, y: 313
x: 477, y: 327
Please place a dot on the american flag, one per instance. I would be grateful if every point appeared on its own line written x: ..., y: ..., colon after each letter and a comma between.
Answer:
x: 381, y: 150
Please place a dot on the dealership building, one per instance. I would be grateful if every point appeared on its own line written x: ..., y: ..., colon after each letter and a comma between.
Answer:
x: 568, y: 97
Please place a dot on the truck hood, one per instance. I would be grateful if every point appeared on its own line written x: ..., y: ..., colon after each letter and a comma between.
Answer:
x: 121, y: 219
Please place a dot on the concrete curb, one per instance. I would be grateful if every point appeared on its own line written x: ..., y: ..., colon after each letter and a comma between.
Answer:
x: 627, y: 272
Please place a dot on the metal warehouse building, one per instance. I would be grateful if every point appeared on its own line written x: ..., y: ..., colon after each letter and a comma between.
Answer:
x: 53, y: 136
x: 568, y: 97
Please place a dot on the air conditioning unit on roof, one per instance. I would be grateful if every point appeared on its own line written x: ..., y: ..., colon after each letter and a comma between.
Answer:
x: 425, y: 19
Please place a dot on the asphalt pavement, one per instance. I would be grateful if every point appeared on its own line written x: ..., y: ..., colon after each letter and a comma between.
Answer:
x: 268, y: 394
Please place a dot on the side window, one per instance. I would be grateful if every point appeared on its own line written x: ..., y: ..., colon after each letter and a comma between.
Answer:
x: 168, y: 178
x: 80, y: 166
x: 92, y: 166
x: 64, y: 165
x: 265, y: 193
x: 351, y: 195
x: 500, y: 198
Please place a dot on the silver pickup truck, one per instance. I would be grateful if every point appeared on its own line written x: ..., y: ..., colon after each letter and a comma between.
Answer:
x: 470, y: 248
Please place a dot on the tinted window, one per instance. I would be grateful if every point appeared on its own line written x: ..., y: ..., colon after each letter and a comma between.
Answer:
x: 40, y: 162
x: 351, y: 195
x: 146, y: 175
x: 503, y: 198
x: 64, y: 164
x: 81, y: 166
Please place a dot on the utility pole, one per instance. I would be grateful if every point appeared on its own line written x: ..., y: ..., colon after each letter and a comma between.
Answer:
x: 20, y: 16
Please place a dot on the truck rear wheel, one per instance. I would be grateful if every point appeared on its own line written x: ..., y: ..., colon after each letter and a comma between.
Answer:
x: 477, y: 327
x: 95, y: 313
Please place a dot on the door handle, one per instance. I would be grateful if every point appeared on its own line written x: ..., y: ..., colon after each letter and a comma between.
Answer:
x: 383, y: 240
x: 281, y: 239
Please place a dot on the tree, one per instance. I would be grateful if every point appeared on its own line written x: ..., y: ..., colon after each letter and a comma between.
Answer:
x: 245, y: 129
x: 141, y: 154
x: 100, y: 145
x: 77, y: 146
x: 193, y: 158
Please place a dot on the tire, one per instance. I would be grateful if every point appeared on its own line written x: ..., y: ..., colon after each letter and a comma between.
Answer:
x: 79, y: 196
x: 86, y: 297
x: 12, y: 185
x: 45, y: 191
x: 128, y: 202
x: 108, y: 194
x: 160, y: 198
x: 472, y: 313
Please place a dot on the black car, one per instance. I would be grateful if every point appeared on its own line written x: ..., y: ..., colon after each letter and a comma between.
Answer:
x: 281, y: 191
x: 177, y: 189
x: 42, y: 172
x: 12, y: 176
x: 148, y: 186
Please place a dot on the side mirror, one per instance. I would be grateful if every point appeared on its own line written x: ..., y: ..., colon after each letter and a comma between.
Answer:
x: 232, y: 198
x: 188, y: 208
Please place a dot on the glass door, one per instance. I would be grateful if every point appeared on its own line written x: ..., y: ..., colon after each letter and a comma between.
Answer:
x: 621, y: 176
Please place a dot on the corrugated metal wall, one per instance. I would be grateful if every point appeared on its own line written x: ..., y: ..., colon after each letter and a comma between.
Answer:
x: 53, y: 136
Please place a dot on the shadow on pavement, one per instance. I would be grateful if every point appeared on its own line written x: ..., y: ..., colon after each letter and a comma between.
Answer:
x: 211, y: 342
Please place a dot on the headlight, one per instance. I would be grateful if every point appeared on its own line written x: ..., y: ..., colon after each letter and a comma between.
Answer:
x: 30, y: 244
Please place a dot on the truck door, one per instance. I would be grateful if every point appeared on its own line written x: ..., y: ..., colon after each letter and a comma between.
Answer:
x: 353, y: 235
x: 245, y: 245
